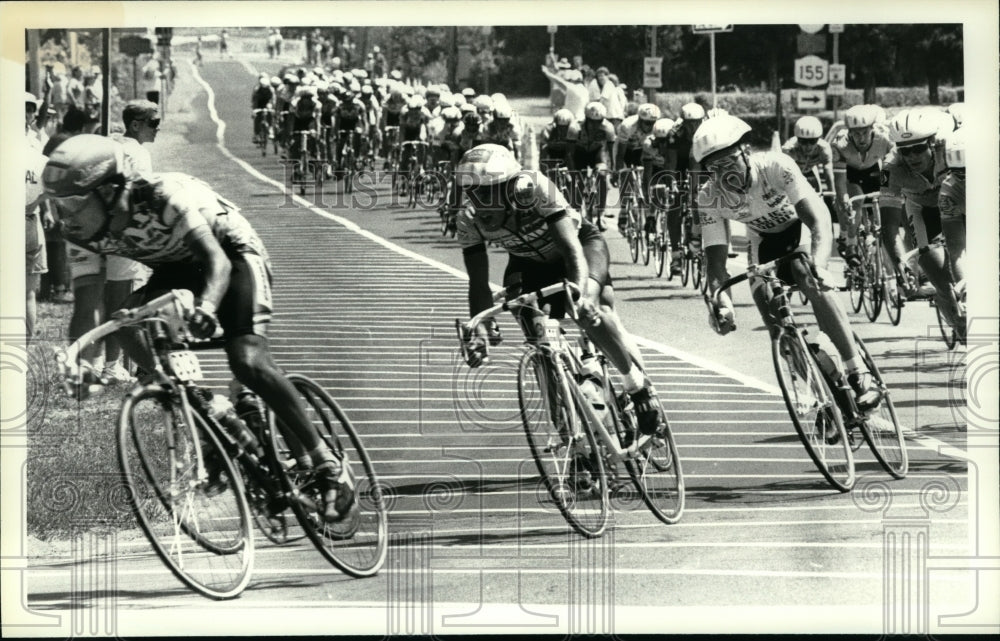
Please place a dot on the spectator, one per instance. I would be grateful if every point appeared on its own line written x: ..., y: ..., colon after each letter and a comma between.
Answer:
x: 142, y: 122
x: 277, y: 42
x: 602, y: 89
x: 557, y: 96
x: 34, y: 213
x: 57, y: 94
x: 380, y: 62
x: 151, y: 78
x: 271, y: 41
x: 577, y: 63
x: 74, y: 89
x: 576, y: 94
x: 197, y: 51
x: 223, y: 46
x: 93, y: 93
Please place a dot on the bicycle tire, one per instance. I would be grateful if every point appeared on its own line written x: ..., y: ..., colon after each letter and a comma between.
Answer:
x: 657, y: 472
x: 659, y: 257
x: 358, y: 545
x: 348, y: 172
x: 794, y: 363
x: 550, y: 417
x: 632, y: 232
x: 699, y: 281
x: 644, y: 244
x: 881, y: 427
x: 215, y: 563
x: 872, y: 299
x: 892, y: 297
x: 273, y: 524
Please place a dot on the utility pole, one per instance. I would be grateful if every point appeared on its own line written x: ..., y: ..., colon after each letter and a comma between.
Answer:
x: 652, y: 54
x: 106, y: 82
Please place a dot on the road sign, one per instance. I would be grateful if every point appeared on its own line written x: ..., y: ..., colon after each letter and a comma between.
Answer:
x: 811, y: 28
x: 810, y: 99
x: 807, y: 43
x: 838, y: 75
x: 836, y: 28
x: 651, y: 68
x: 711, y: 28
x: 135, y: 45
x: 811, y: 71
x: 552, y: 28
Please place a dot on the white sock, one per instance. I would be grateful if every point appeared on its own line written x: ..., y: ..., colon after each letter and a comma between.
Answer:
x: 634, y: 380
x: 851, y: 365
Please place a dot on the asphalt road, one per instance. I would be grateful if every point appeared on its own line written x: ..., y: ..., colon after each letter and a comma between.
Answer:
x: 366, y: 294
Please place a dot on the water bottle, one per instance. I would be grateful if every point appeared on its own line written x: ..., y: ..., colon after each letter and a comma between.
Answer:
x: 224, y: 412
x: 248, y: 408
x: 591, y: 385
x: 829, y: 364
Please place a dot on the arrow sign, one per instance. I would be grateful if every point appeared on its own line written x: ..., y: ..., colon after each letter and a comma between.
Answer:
x: 811, y: 99
x: 711, y: 28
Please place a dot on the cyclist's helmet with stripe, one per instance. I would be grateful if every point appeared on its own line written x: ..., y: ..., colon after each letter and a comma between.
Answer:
x: 915, y: 126
x: 808, y: 127
x: 81, y: 164
x: 859, y: 117
x: 595, y: 111
x: 692, y: 111
x: 563, y: 117
x: 662, y: 127
x: 717, y: 134
x: 486, y: 165
x: 649, y: 112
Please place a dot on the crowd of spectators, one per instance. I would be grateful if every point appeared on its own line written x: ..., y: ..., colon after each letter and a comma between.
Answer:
x: 574, y: 84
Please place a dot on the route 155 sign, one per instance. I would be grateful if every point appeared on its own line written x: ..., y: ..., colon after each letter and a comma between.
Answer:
x: 811, y: 71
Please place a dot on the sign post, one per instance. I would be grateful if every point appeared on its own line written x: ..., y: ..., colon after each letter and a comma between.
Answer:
x: 711, y: 30
x: 836, y: 30
x: 552, y: 35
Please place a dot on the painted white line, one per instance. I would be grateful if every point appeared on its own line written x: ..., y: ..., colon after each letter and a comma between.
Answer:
x: 928, y: 442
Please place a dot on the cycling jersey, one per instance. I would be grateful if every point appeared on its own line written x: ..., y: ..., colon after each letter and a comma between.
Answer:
x: 593, y: 136
x: 630, y: 133
x: 652, y: 151
x: 679, y: 140
x: 951, y: 199
x: 505, y: 135
x: 806, y: 158
x: 163, y: 210
x: 898, y: 180
x: 525, y: 232
x: 846, y: 154
x: 350, y: 114
x: 394, y: 105
x: 768, y: 207
x: 304, y: 114
x: 262, y: 97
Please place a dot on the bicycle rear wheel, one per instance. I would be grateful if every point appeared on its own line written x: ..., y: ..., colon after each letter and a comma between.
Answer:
x: 202, y: 534
x: 633, y: 228
x: 563, y: 445
x: 656, y: 469
x: 881, y: 427
x: 660, y: 256
x: 872, y: 299
x: 947, y: 332
x: 358, y: 544
x: 645, y: 246
x: 814, y: 413
x: 892, y: 295
x: 855, y: 287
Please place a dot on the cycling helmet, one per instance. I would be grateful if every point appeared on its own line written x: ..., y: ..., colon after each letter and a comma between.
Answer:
x: 360, y: 74
x: 957, y: 111
x: 716, y: 112
x: 432, y: 90
x: 451, y: 113
x: 485, y: 165
x: 81, y: 164
x: 879, y: 113
x: 503, y: 112
x: 692, y: 111
x: 467, y: 108
x: 396, y: 74
x: 563, y: 117
x: 648, y: 112
x: 264, y: 80
x: 355, y: 86
x: 596, y: 111
x: 954, y: 150
x: 716, y: 134
x: 915, y: 126
x: 859, y: 116
x: 808, y: 127
x: 318, y: 70
x: 662, y: 127
x: 366, y: 90
x: 446, y: 100
x: 291, y: 78
x: 483, y: 103
x: 459, y: 100
x: 469, y: 93
x: 322, y: 87
x: 275, y: 81
x: 415, y: 102
x: 347, y: 95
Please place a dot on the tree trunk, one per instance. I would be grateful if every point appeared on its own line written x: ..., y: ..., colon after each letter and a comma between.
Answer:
x: 932, y: 88
x: 869, y: 96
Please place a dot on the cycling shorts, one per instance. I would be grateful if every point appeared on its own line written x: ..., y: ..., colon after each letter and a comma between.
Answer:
x: 633, y: 157
x: 245, y: 307
x: 583, y: 158
x: 83, y: 262
x: 925, y: 222
x: 869, y: 179
x: 533, y: 275
x: 392, y: 119
x: 767, y: 247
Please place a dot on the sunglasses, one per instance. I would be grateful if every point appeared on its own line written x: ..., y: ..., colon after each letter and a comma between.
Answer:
x: 808, y: 141
x: 726, y: 162
x: 913, y: 150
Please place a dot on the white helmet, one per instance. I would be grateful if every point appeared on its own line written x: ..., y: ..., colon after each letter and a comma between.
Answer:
x: 915, y: 126
x: 716, y: 134
x: 957, y: 111
x: 808, y: 127
x: 563, y: 117
x: 649, y: 112
x: 662, y: 127
x: 486, y: 165
x: 954, y: 149
x: 860, y: 116
x: 483, y: 103
x: 415, y: 102
x: 503, y: 111
x: 595, y: 111
x: 879, y: 112
x: 692, y: 111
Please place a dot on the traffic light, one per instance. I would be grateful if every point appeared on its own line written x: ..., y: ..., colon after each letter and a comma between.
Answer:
x: 163, y: 36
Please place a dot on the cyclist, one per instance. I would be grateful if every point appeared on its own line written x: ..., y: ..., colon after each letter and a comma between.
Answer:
x: 447, y: 146
x: 283, y: 106
x: 412, y: 128
x: 654, y: 151
x: 392, y: 110
x: 951, y: 202
x: 193, y: 239
x: 677, y: 160
x: 262, y: 98
x: 556, y: 142
x: 501, y: 130
x: 484, y: 107
x: 914, y: 175
x: 373, y: 111
x: 350, y: 118
x: 767, y: 192
x: 304, y: 115
x: 630, y: 136
x: 591, y: 152
x: 433, y: 97
x: 813, y: 155
x: 546, y: 241
x: 859, y: 150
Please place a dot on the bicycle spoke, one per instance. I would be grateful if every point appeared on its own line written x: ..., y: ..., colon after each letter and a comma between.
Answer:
x: 881, y: 427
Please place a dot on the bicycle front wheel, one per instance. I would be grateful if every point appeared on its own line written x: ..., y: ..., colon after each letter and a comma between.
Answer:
x: 358, y: 544
x: 892, y: 295
x: 563, y: 446
x: 872, y: 298
x: 814, y: 413
x: 881, y: 427
x: 199, y: 525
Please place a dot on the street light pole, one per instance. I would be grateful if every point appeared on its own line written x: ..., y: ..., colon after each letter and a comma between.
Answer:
x: 711, y: 53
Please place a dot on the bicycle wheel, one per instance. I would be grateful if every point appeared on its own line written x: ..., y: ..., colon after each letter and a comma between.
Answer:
x: 881, y: 427
x: 349, y: 170
x: 656, y: 469
x: 660, y: 255
x: 814, y: 413
x: 892, y: 295
x: 872, y: 299
x: 202, y: 534
x: 270, y: 512
x: 645, y: 245
x: 358, y: 544
x: 699, y: 280
x: 562, y: 444
x: 633, y: 232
